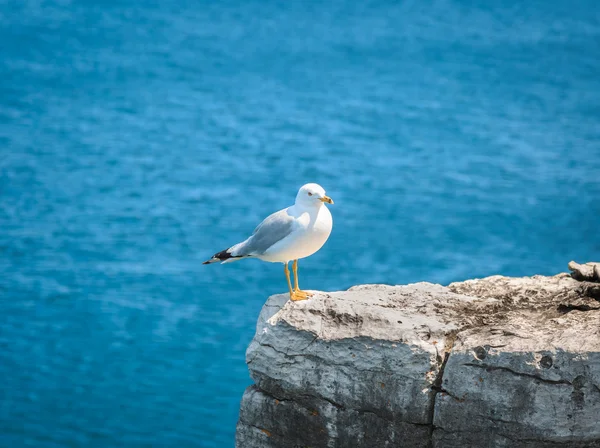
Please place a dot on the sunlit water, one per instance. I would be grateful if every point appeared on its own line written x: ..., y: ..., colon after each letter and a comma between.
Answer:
x: 138, y: 138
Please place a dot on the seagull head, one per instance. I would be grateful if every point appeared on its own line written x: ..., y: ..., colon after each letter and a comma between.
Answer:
x: 312, y: 195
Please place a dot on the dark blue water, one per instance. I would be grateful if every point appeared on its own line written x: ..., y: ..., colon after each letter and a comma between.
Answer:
x: 138, y: 138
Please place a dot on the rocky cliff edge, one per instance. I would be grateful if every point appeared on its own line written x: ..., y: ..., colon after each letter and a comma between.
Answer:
x: 494, y: 362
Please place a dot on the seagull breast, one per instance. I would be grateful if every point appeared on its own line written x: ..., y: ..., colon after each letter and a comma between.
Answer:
x: 312, y: 228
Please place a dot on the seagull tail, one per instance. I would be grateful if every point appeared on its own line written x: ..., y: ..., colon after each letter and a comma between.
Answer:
x: 224, y: 257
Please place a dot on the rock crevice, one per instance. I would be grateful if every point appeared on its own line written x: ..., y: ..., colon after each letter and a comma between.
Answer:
x: 491, y: 362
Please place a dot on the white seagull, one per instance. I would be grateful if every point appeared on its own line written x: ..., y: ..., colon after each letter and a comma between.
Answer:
x: 287, y: 235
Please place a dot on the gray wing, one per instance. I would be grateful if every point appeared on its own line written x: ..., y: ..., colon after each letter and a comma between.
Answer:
x: 272, y: 230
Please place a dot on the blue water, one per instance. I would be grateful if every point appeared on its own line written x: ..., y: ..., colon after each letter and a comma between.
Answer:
x: 138, y: 138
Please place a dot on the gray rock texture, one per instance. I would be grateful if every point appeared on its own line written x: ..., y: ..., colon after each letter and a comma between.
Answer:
x: 495, y: 362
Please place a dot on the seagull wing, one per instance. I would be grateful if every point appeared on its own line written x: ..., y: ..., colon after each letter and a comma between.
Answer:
x: 273, y: 229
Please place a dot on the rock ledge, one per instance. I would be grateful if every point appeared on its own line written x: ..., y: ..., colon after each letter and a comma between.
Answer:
x: 498, y: 362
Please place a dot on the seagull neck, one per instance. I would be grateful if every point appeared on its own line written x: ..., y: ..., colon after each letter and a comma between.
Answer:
x: 311, y: 209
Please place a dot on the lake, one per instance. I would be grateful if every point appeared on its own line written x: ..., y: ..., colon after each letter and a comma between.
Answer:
x: 138, y: 138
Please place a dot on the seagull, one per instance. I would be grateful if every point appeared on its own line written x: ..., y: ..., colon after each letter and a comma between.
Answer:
x: 287, y: 235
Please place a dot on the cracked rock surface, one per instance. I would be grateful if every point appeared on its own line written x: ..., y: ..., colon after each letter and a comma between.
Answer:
x: 495, y: 362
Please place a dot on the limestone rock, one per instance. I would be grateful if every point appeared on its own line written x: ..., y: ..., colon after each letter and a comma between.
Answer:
x: 585, y: 272
x: 499, y: 361
x: 589, y: 276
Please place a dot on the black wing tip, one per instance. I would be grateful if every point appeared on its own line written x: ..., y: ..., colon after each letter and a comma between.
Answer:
x: 220, y: 256
x: 223, y: 255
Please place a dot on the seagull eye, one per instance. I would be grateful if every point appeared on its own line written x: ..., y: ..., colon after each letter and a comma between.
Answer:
x: 310, y: 194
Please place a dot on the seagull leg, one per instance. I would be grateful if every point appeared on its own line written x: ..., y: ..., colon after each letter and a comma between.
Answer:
x: 287, y: 276
x: 295, y: 269
x: 298, y: 293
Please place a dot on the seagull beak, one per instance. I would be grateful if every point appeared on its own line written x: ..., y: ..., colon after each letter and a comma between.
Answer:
x: 326, y: 199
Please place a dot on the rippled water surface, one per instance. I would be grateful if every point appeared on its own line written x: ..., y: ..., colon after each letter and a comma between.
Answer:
x: 138, y: 138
